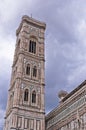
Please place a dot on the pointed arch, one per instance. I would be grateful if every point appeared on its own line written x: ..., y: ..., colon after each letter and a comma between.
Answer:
x: 26, y: 93
x: 33, y: 37
x: 34, y: 96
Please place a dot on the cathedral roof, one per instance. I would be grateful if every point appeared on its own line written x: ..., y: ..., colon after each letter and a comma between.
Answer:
x: 75, y: 90
x: 71, y: 97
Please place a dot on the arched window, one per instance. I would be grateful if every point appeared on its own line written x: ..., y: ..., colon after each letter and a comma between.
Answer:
x: 26, y: 95
x: 34, y: 71
x: 33, y: 97
x: 28, y: 69
x: 32, y: 46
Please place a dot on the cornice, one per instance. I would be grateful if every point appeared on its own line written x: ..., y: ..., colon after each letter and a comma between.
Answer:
x: 31, y: 21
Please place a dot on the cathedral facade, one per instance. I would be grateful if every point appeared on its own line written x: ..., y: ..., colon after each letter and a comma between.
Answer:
x: 26, y: 105
x: 71, y: 111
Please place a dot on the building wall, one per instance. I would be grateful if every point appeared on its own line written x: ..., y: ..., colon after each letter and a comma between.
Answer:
x: 71, y: 112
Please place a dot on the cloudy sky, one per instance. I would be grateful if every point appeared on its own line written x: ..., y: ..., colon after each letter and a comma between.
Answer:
x: 65, y: 44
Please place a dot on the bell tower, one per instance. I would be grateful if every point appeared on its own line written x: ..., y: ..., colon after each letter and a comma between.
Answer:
x: 25, y: 106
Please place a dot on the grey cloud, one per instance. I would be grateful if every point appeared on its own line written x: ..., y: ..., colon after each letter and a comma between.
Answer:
x: 65, y: 54
x: 65, y: 43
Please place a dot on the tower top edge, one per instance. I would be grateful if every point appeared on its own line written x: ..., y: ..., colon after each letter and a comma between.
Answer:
x: 32, y: 21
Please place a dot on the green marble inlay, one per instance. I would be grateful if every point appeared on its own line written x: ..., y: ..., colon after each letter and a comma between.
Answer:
x: 67, y: 111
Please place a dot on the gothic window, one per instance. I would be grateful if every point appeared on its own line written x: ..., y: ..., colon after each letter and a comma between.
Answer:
x: 33, y: 97
x: 28, y: 69
x: 34, y: 71
x: 32, y: 47
x: 26, y: 95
